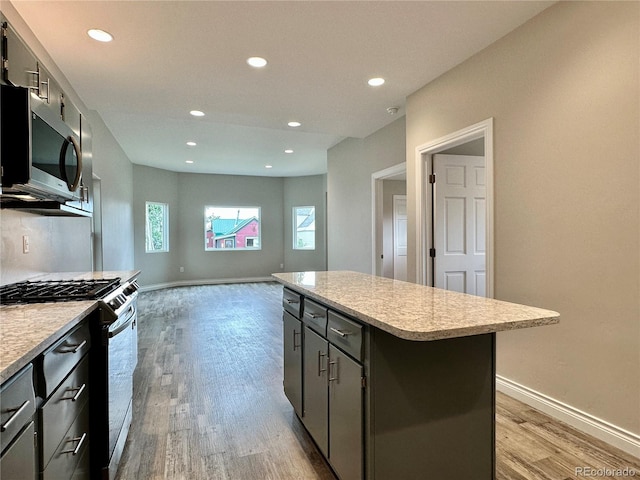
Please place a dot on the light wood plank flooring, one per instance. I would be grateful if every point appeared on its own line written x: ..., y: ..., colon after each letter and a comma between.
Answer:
x: 208, y: 400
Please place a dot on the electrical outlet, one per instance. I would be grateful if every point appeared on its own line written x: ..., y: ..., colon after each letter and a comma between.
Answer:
x: 25, y: 244
x: 281, y: 266
x: 181, y: 269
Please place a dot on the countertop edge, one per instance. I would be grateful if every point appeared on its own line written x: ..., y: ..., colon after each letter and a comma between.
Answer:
x: 413, y: 335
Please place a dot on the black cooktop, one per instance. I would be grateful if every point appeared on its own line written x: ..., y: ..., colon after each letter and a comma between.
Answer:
x: 56, y: 290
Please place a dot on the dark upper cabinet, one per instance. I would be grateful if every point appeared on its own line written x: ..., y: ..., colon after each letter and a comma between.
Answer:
x: 20, y: 67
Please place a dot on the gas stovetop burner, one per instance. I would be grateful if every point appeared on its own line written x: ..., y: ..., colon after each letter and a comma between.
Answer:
x: 56, y: 290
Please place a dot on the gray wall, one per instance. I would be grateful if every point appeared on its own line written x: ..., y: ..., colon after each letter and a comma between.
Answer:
x: 188, y: 194
x: 156, y: 185
x: 349, y: 168
x: 305, y: 192
x: 198, y: 191
x: 57, y: 244
x: 563, y: 92
x: 115, y: 170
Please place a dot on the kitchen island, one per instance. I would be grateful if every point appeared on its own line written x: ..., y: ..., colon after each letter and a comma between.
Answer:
x: 393, y: 379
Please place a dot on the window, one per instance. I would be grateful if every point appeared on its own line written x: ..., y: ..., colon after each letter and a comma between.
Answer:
x: 231, y: 228
x: 157, y: 227
x: 304, y: 228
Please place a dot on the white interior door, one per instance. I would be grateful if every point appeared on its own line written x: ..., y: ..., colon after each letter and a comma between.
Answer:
x: 400, y: 237
x: 459, y: 230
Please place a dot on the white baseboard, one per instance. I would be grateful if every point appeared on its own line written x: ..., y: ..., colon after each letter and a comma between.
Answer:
x: 602, y: 430
x: 191, y: 283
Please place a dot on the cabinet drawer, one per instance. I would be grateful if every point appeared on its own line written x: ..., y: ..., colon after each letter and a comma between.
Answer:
x: 19, y: 461
x: 292, y: 302
x: 315, y: 316
x: 63, y: 407
x: 60, y: 359
x: 346, y: 334
x: 17, y: 404
x: 71, y: 449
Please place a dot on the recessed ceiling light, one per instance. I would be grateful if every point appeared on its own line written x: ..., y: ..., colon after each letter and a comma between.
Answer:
x: 257, y: 62
x: 100, y: 35
x: 192, y: 144
x: 376, y: 82
x: 268, y: 166
x: 288, y: 150
x: 188, y: 161
x: 197, y: 113
x: 294, y: 124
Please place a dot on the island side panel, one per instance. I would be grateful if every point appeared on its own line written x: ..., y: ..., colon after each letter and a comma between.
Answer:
x: 432, y: 408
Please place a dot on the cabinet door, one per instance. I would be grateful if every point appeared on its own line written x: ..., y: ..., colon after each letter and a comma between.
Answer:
x: 293, y: 361
x: 345, y: 415
x: 20, y: 62
x: 316, y: 390
x: 19, y: 461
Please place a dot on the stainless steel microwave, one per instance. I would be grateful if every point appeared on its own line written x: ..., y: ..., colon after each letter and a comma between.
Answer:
x: 40, y: 153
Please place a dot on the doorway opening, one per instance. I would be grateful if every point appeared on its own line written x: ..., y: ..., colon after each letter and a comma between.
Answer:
x: 449, y: 227
x: 389, y: 222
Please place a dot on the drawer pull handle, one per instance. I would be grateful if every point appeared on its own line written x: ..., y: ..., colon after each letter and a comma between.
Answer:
x: 78, y: 391
x: 339, y: 332
x: 16, y: 414
x: 80, y: 441
x: 335, y: 370
x: 313, y: 316
x: 294, y: 340
x: 76, y: 348
x: 320, y: 362
x: 290, y: 301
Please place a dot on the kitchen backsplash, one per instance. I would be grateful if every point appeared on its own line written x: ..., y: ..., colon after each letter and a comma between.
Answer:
x: 56, y: 244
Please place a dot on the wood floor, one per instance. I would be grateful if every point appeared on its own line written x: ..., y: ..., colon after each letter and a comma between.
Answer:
x: 208, y: 401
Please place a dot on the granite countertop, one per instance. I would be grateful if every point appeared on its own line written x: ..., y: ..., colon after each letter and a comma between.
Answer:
x: 28, y: 330
x: 411, y: 311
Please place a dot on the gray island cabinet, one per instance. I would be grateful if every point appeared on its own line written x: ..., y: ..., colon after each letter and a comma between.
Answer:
x: 392, y: 379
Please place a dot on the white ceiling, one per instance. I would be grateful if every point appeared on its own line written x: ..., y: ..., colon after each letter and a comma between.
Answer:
x: 170, y: 57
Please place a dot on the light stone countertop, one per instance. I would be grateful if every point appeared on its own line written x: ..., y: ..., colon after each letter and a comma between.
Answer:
x: 411, y: 311
x: 27, y: 330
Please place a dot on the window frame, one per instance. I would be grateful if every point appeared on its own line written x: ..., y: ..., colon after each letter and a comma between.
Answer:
x: 294, y: 221
x: 232, y: 249
x: 165, y: 229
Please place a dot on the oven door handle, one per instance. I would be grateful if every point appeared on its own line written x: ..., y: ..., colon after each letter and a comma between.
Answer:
x: 122, y: 327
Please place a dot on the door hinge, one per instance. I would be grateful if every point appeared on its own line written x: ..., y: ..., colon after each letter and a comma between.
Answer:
x: 432, y: 178
x: 364, y: 382
x: 432, y: 252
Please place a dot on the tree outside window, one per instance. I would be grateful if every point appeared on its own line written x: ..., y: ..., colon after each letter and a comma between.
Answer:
x: 304, y: 228
x: 157, y: 227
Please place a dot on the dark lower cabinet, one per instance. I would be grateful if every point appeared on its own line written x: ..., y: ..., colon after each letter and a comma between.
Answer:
x: 18, y: 462
x: 17, y: 432
x: 332, y: 384
x: 345, y: 415
x: 292, y: 331
x: 382, y: 407
x: 64, y: 415
x: 316, y: 392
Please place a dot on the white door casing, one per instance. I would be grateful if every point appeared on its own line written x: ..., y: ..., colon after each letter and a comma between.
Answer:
x: 400, y: 237
x: 460, y: 224
x: 420, y: 203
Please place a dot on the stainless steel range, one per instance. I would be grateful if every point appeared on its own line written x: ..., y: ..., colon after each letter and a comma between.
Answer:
x: 115, y: 352
x: 113, y: 357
